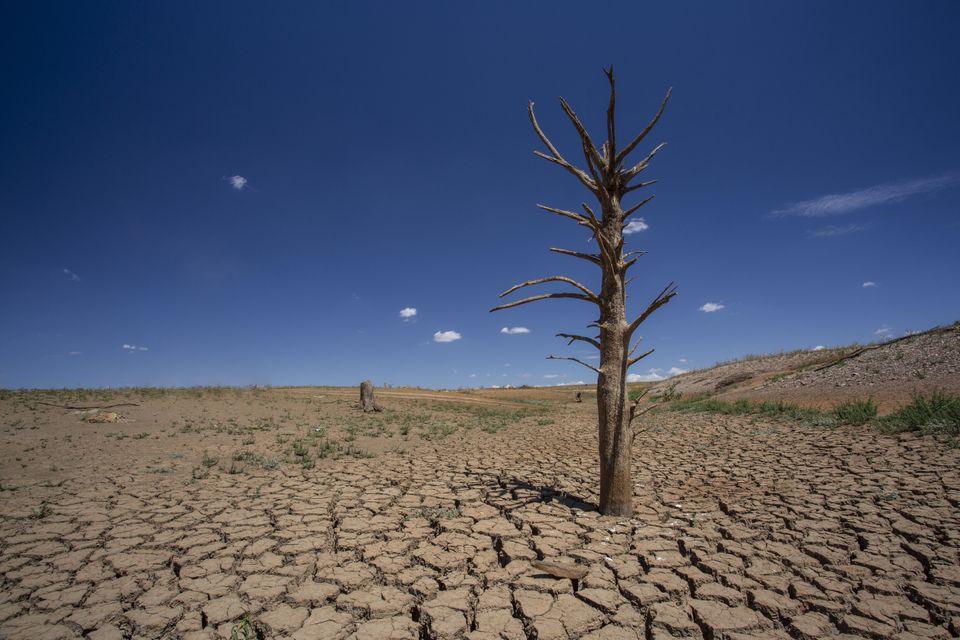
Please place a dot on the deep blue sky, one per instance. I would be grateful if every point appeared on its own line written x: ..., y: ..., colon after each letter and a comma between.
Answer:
x: 389, y: 164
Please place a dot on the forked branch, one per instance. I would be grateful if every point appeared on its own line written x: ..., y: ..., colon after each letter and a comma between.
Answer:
x: 663, y: 298
x: 593, y: 297
x: 572, y: 337
x: 556, y: 157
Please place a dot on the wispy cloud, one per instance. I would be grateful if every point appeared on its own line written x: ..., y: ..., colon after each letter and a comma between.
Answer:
x: 711, y: 307
x: 868, y: 284
x: 408, y: 313
x: 514, y: 330
x: 130, y: 348
x: 884, y: 330
x: 71, y: 275
x: 840, y: 203
x: 832, y: 230
x: 446, y: 336
x: 819, y: 347
x: 74, y: 353
x: 636, y: 226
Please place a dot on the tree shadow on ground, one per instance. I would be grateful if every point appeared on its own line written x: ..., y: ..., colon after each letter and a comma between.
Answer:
x: 526, y: 493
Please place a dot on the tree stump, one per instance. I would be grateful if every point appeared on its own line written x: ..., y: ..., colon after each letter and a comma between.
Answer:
x: 367, y: 403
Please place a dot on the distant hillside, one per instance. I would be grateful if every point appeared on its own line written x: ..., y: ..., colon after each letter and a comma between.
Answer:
x: 890, y: 372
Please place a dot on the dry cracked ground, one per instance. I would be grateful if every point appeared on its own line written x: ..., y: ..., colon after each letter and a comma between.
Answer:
x: 744, y: 529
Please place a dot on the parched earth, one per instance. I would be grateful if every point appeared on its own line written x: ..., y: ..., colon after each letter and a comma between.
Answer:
x: 744, y: 529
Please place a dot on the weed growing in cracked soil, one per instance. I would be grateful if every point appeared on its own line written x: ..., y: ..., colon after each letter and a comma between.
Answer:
x: 243, y: 629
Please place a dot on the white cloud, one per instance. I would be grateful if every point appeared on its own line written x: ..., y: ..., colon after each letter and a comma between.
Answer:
x: 407, y: 313
x: 868, y: 284
x: 74, y: 353
x: 645, y: 377
x: 819, y: 347
x: 514, y: 330
x: 683, y: 359
x: 654, y: 375
x: 132, y: 347
x: 636, y: 226
x: 837, y: 204
x: 884, y: 330
x: 446, y: 336
x: 71, y: 275
x: 831, y: 230
x: 710, y: 307
x: 570, y: 384
x: 238, y: 182
x: 552, y: 375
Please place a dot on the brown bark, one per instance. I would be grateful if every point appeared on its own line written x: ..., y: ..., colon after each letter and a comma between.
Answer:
x: 609, y: 182
x: 367, y: 403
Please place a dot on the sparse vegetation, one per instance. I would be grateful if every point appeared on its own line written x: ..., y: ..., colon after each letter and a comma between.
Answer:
x: 937, y: 414
x: 856, y: 412
x: 243, y: 629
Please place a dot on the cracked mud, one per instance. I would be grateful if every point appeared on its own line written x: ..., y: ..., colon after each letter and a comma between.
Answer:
x: 743, y: 529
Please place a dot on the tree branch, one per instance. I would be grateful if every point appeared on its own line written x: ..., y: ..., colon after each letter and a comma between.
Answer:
x: 589, y: 257
x: 634, y: 208
x: 589, y: 149
x: 633, y: 361
x: 633, y: 145
x: 643, y: 164
x: 633, y: 407
x: 556, y: 157
x: 639, y: 185
x: 663, y: 298
x: 545, y: 296
x: 590, y: 294
x: 580, y: 174
x: 611, y: 143
x: 574, y: 337
x: 588, y: 366
x: 568, y: 214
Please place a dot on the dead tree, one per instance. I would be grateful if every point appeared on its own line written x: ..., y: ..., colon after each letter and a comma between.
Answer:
x: 367, y: 403
x: 609, y: 180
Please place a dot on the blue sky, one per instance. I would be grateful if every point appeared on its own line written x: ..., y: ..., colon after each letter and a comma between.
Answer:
x: 387, y: 165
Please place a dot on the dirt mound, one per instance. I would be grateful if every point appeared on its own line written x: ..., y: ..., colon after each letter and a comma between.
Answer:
x: 748, y: 371
x: 890, y: 372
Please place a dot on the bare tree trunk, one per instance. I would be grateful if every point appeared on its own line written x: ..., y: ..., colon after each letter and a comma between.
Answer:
x: 367, y: 403
x: 616, y: 436
x: 609, y: 181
